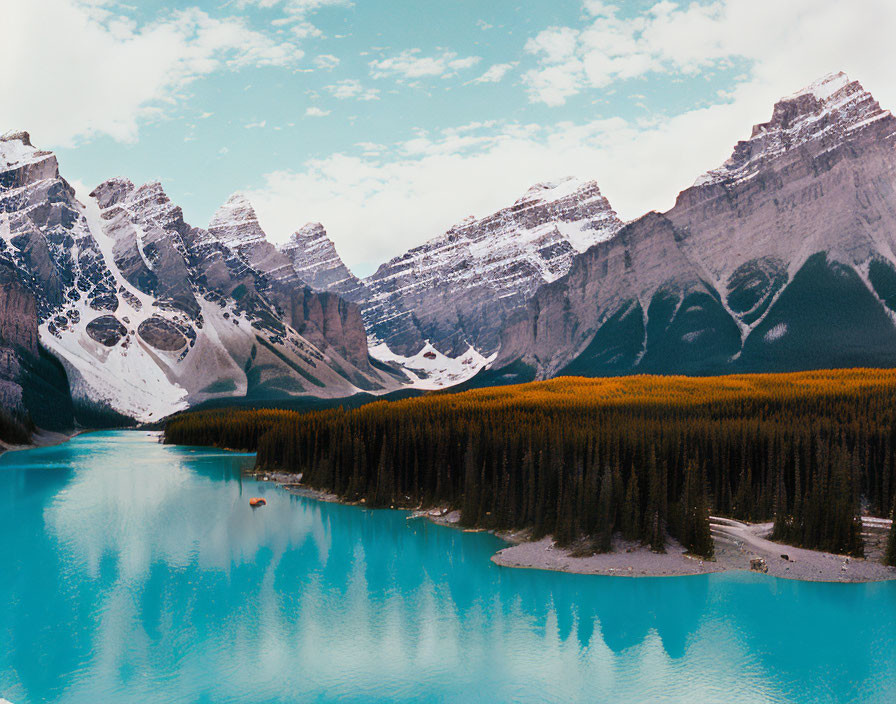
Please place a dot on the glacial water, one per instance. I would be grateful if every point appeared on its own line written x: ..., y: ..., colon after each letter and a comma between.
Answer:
x: 136, y: 572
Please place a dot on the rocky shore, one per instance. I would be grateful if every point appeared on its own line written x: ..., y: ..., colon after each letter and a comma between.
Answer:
x: 738, y: 546
x: 42, y: 438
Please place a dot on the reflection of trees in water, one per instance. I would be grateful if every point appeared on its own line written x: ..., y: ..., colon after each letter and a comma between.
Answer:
x: 622, y: 610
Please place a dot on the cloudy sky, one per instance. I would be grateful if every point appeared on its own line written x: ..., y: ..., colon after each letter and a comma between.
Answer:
x: 390, y: 120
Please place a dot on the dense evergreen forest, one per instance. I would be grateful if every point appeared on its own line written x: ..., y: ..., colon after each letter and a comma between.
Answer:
x: 584, y: 459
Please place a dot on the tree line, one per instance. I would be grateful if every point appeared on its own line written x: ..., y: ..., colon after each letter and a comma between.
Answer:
x: 585, y: 460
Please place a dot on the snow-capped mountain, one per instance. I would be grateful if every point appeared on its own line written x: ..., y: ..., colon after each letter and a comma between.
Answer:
x: 782, y: 258
x: 449, y: 297
x: 457, y: 289
x: 148, y: 314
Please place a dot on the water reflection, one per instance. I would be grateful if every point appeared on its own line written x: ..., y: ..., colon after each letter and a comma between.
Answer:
x: 136, y: 571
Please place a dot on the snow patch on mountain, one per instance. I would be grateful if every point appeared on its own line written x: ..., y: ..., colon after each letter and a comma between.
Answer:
x: 431, y: 370
x: 16, y: 150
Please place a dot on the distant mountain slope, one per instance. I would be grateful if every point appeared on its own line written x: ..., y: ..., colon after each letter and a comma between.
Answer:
x: 316, y: 261
x: 456, y: 290
x: 781, y: 259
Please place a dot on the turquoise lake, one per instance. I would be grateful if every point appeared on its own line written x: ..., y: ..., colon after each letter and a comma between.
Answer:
x: 136, y: 572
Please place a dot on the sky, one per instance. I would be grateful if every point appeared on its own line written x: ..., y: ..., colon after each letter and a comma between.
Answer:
x: 390, y: 120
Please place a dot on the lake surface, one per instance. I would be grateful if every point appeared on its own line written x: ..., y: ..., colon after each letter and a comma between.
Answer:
x: 136, y: 572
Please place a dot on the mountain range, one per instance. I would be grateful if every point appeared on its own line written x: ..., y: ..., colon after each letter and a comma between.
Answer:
x: 782, y: 258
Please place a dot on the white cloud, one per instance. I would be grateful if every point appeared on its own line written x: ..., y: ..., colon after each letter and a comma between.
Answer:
x: 495, y: 73
x: 326, y: 62
x: 671, y: 38
x: 379, y: 203
x: 294, y: 7
x: 255, y: 125
x: 314, y: 111
x: 97, y: 72
x: 295, y: 13
x: 552, y: 85
x: 352, y: 89
x: 411, y: 64
x: 556, y: 44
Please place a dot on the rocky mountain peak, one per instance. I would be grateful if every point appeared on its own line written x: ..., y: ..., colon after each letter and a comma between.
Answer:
x: 112, y: 192
x: 311, y: 230
x: 822, y: 115
x: 316, y: 261
x: 781, y: 259
x: 16, y: 148
x: 17, y: 136
x: 549, y: 191
x: 235, y: 224
x: 22, y: 162
x: 456, y: 289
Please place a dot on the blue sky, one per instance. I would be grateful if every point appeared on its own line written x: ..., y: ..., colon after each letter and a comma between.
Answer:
x: 389, y: 120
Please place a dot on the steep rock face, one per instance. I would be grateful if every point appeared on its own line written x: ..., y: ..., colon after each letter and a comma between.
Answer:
x: 457, y: 289
x: 18, y: 335
x: 315, y: 260
x: 18, y: 312
x: 150, y: 248
x: 43, y: 230
x: 783, y: 258
x: 148, y: 314
x: 236, y: 227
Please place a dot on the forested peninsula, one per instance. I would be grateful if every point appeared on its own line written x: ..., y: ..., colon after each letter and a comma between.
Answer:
x: 582, y: 460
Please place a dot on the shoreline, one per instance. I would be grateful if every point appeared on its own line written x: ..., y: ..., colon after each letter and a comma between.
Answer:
x: 736, y: 545
x: 43, y: 438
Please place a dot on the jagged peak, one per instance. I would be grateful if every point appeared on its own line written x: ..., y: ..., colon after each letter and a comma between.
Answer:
x: 824, y: 87
x: 236, y: 209
x: 548, y: 191
x: 828, y: 110
x: 235, y: 223
x: 117, y: 190
x: 17, y: 136
x: 16, y: 149
x: 151, y: 189
x: 112, y: 191
x: 310, y: 230
x: 311, y: 236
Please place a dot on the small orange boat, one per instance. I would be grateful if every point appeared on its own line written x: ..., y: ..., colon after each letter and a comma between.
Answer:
x: 255, y: 502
